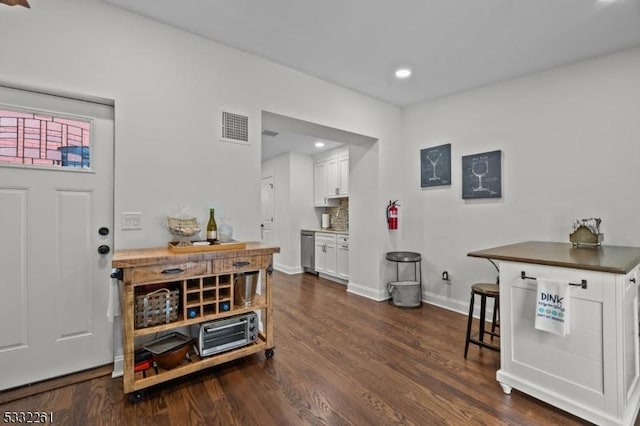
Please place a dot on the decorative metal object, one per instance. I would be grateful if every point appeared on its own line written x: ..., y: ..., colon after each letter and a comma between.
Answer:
x: 587, y: 232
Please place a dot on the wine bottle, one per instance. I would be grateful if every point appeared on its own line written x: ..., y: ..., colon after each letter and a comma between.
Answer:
x: 212, y: 228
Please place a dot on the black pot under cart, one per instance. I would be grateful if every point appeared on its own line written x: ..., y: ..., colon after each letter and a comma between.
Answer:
x: 406, y: 294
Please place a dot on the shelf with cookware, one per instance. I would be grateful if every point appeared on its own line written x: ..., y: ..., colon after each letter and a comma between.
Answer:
x: 164, y: 293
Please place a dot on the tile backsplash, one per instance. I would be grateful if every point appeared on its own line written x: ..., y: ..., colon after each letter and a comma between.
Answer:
x: 339, y: 215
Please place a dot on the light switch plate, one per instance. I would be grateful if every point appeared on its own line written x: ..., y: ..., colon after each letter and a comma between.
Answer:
x: 131, y: 220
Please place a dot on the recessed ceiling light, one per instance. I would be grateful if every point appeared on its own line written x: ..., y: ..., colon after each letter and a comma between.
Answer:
x: 403, y: 73
x: 319, y: 144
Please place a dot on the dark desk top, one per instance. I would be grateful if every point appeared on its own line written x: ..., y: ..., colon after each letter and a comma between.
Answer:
x: 614, y: 259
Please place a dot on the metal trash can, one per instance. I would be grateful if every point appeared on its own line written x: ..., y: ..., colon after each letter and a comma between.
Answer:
x: 244, y: 288
x: 405, y: 294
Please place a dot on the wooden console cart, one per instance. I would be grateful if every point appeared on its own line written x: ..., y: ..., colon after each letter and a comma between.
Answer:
x: 205, y: 280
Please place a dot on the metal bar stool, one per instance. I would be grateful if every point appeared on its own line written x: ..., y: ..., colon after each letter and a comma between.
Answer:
x: 484, y: 290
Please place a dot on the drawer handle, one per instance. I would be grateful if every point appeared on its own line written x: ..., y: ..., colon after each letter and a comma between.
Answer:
x: 240, y: 264
x: 172, y: 271
x: 582, y: 284
x: 633, y: 280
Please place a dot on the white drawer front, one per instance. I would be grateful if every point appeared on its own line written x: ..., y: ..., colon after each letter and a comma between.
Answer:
x: 594, y: 280
x: 325, y: 238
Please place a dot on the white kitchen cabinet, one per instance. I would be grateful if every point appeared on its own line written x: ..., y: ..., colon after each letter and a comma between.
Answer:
x: 320, y: 183
x: 330, y: 179
x: 342, y: 257
x: 594, y: 370
x: 325, y: 253
x: 589, y: 370
x: 343, y: 174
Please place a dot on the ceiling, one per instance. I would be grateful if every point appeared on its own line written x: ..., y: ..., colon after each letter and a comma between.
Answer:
x: 450, y: 45
x: 300, y: 136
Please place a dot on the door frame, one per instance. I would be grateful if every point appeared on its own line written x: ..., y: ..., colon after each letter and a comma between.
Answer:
x: 109, y: 214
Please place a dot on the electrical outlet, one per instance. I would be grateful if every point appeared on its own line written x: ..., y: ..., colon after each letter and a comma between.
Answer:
x: 445, y: 276
x: 131, y: 220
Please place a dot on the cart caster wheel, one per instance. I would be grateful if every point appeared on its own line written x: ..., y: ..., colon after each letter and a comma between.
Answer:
x: 268, y: 353
x: 136, y: 396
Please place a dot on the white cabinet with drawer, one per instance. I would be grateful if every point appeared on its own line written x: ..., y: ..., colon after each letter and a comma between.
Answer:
x: 342, y: 257
x: 325, y: 253
x: 332, y: 255
x: 593, y: 371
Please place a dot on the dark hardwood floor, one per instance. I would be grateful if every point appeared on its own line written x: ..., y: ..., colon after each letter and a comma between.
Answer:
x: 340, y: 359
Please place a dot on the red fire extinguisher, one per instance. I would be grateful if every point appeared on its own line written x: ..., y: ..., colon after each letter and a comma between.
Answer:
x: 392, y: 214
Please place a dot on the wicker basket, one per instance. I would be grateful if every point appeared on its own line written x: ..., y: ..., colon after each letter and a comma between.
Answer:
x: 157, y: 307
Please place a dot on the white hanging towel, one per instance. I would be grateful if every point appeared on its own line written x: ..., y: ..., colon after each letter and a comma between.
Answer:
x: 113, y: 308
x: 553, y: 307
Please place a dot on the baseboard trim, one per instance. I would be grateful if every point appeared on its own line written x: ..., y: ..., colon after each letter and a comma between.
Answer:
x: 334, y: 279
x: 446, y: 303
x: 118, y: 366
x: 289, y: 270
x: 368, y: 292
x: 381, y: 295
x: 454, y: 305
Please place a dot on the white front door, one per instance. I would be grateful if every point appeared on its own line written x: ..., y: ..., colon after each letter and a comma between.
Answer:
x: 267, y: 209
x: 53, y: 282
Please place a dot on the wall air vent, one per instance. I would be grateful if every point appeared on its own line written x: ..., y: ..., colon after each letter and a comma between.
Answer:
x: 235, y: 128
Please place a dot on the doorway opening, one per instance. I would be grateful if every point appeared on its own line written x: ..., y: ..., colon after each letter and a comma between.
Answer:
x: 296, y: 155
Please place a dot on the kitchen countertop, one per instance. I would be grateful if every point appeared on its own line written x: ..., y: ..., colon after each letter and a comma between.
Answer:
x: 328, y: 231
x: 614, y: 259
x: 128, y: 258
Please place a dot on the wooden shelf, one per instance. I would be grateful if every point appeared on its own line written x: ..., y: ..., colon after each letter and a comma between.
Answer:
x: 196, y: 364
x: 258, y: 304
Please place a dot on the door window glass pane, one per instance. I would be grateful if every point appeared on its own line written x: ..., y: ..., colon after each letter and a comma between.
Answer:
x: 42, y: 139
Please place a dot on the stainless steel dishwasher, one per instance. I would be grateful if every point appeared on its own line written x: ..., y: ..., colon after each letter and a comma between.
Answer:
x: 307, y: 251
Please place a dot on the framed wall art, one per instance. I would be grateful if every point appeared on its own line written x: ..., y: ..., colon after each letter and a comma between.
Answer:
x: 435, y: 166
x: 482, y: 175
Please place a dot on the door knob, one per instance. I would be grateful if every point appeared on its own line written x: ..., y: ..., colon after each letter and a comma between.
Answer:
x: 104, y: 231
x: 104, y: 249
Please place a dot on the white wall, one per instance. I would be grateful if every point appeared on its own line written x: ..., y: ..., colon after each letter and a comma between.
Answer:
x: 570, y: 139
x: 168, y: 87
x: 303, y: 214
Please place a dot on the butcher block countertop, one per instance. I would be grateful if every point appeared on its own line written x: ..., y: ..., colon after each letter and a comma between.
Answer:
x: 150, y: 256
x: 613, y: 259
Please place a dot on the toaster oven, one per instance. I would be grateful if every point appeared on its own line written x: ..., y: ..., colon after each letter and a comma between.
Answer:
x: 227, y: 333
